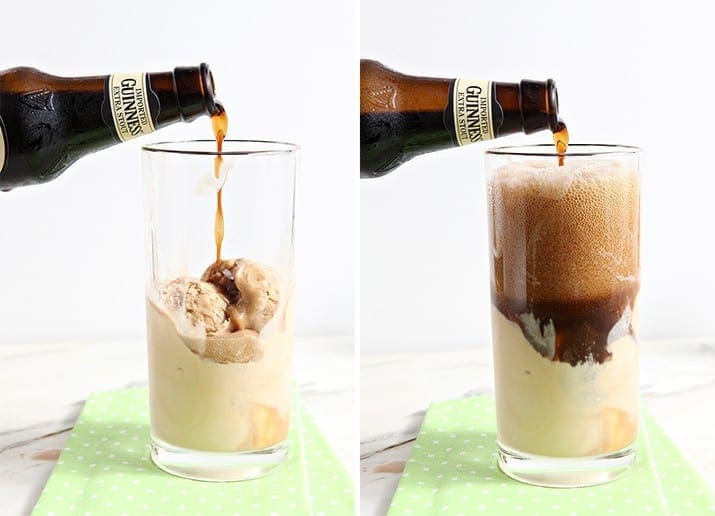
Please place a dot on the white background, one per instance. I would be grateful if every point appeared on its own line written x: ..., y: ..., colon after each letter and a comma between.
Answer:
x: 71, y: 251
x: 626, y: 73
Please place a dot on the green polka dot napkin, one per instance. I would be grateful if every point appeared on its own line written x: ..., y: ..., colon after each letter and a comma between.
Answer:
x: 453, y: 470
x: 105, y: 468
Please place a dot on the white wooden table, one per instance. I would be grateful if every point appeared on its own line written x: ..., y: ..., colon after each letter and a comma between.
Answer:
x: 43, y: 388
x: 678, y: 387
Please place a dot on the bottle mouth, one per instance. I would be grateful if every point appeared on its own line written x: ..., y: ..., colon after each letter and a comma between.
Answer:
x: 552, y: 98
x: 209, y: 89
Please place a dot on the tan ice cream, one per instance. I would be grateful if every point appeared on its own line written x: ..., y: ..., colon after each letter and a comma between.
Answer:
x: 199, y: 307
x: 216, y: 386
x: 251, y: 289
x: 565, y: 272
x: 558, y: 410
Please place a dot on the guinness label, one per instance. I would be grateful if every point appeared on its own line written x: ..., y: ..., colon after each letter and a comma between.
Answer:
x: 128, y: 98
x: 472, y: 110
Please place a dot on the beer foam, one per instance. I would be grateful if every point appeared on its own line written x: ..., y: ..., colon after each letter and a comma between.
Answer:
x: 564, y: 233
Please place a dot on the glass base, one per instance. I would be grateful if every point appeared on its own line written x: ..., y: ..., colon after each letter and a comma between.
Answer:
x: 216, y: 466
x: 565, y: 471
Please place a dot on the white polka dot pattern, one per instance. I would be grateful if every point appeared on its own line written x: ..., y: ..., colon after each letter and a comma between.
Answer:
x: 105, y: 468
x: 453, y: 470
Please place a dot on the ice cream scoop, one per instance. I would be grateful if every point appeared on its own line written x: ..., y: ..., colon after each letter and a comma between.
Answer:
x: 198, y: 303
x: 221, y: 274
x: 220, y: 316
x: 251, y: 289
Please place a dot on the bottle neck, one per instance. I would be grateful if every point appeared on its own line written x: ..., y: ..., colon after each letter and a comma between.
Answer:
x: 527, y: 107
x: 138, y: 104
x: 195, y: 91
x: 483, y: 110
x: 184, y: 94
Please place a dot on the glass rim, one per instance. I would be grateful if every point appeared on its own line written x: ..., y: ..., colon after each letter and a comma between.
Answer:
x: 273, y: 148
x: 548, y: 150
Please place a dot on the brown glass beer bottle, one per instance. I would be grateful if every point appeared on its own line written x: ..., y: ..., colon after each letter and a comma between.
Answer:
x: 49, y: 122
x: 403, y: 116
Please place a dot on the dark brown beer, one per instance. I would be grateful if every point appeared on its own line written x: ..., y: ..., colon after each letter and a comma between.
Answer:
x: 561, y: 140
x: 219, y: 123
x: 49, y: 122
x: 403, y: 116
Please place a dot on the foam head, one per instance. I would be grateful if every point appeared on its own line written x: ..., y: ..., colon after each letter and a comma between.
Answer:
x: 568, y: 233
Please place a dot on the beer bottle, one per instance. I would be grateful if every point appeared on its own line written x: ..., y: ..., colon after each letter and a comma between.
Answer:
x: 403, y: 116
x: 49, y: 122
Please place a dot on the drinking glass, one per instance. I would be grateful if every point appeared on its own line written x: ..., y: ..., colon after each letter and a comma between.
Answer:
x: 565, y: 275
x: 219, y: 333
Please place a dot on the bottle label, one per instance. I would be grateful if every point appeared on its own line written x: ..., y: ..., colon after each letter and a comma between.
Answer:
x: 129, y: 104
x: 2, y: 147
x: 472, y: 111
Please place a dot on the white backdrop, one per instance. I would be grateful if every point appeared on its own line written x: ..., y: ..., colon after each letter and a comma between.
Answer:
x: 626, y: 73
x: 71, y: 255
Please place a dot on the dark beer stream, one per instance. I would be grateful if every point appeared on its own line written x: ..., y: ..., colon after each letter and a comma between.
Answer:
x: 561, y: 140
x: 219, y: 123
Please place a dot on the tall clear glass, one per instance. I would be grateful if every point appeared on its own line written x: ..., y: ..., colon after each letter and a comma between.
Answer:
x: 219, y: 332
x: 565, y: 275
